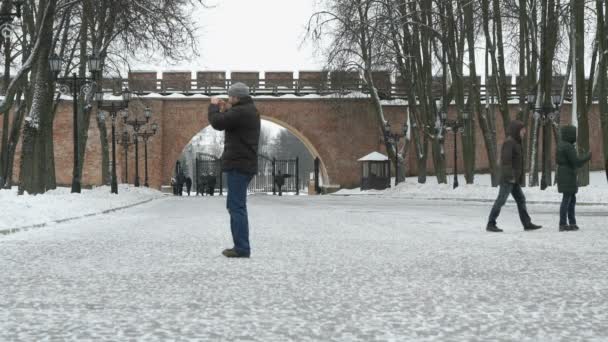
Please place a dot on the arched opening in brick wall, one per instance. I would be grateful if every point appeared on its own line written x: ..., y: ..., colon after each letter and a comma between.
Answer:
x: 277, y: 140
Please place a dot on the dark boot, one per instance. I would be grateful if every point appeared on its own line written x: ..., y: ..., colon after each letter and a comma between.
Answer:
x: 231, y: 253
x: 532, y: 226
x: 565, y: 228
x: 491, y: 227
x: 573, y: 227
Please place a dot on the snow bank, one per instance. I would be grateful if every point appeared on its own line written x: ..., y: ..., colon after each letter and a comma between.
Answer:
x: 596, y: 193
x: 60, y: 204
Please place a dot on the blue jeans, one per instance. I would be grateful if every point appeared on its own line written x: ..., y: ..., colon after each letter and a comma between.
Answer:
x: 513, y: 189
x: 567, y: 209
x: 237, y: 207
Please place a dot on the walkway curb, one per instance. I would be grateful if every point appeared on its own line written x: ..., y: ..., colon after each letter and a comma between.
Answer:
x: 69, y: 219
x: 458, y: 199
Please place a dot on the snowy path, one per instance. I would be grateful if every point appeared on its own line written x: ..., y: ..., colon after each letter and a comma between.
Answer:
x: 322, y: 268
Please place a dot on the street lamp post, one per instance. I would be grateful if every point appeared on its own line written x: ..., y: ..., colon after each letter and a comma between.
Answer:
x: 125, y: 142
x: 547, y: 115
x: 113, y: 107
x: 146, y: 135
x: 393, y: 140
x: 75, y: 85
x: 456, y: 126
x: 136, y: 124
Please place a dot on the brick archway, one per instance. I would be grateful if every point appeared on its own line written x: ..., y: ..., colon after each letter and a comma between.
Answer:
x: 305, y: 141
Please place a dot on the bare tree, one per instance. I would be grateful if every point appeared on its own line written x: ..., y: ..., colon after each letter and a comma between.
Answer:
x: 357, y: 44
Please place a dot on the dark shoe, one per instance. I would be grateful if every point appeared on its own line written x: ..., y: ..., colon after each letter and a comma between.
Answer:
x: 573, y: 227
x: 532, y: 226
x: 492, y: 228
x: 231, y: 253
x: 565, y: 228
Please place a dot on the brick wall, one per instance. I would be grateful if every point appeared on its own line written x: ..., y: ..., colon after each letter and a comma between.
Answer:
x: 338, y: 131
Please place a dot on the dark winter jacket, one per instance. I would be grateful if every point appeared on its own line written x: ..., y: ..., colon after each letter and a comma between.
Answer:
x: 242, y: 126
x: 512, y: 156
x: 568, y: 161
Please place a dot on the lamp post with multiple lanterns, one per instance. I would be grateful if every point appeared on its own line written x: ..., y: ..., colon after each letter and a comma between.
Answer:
x: 547, y: 116
x: 136, y: 124
x: 113, y: 107
x: 75, y: 85
x: 145, y: 136
x: 393, y: 141
x: 455, y: 126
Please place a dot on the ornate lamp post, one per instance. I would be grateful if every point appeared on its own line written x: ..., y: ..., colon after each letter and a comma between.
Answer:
x: 456, y: 126
x: 75, y: 85
x: 393, y: 140
x: 547, y: 116
x: 125, y: 141
x: 136, y: 124
x: 146, y: 135
x: 113, y: 107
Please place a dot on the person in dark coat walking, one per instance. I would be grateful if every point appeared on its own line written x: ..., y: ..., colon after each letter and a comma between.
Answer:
x: 181, y: 179
x: 188, y: 185
x: 201, y: 185
x: 512, y: 178
x: 567, y: 182
x: 241, y: 122
x: 211, y: 181
x: 279, y: 181
x: 174, y: 186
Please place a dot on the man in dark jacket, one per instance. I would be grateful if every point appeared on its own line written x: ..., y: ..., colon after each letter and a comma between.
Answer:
x: 188, y: 185
x: 512, y: 178
x: 241, y: 122
x: 567, y: 183
x: 279, y: 181
x: 211, y: 181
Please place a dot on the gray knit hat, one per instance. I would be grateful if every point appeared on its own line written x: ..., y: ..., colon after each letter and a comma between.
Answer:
x: 238, y: 90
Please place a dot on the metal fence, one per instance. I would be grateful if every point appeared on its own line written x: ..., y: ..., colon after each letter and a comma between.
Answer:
x: 209, y: 167
x: 267, y: 180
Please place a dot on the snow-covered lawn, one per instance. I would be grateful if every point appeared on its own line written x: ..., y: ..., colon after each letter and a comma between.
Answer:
x: 330, y: 268
x: 60, y: 204
x: 596, y: 193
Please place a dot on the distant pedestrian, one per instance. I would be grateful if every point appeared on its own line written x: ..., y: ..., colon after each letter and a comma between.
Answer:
x: 512, y: 178
x: 188, y: 185
x: 174, y: 185
x: 241, y: 122
x: 279, y: 181
x: 201, y: 185
x: 567, y: 183
x: 211, y: 181
x: 181, y: 180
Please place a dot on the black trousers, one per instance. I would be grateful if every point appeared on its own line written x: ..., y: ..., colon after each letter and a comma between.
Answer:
x: 515, y: 190
x: 567, y: 210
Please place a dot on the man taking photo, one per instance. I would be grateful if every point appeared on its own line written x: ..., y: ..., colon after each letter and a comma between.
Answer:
x: 240, y: 120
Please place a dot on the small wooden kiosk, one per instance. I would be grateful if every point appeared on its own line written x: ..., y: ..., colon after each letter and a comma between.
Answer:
x: 375, y: 172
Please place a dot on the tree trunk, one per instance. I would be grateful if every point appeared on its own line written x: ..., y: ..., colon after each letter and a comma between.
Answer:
x: 602, y: 27
x: 13, y: 140
x: 106, y: 177
x: 38, y: 125
x: 579, y: 112
x: 5, y: 116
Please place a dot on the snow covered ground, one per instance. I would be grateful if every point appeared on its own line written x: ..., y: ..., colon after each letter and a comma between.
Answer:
x: 330, y: 268
x: 60, y: 204
x: 596, y: 193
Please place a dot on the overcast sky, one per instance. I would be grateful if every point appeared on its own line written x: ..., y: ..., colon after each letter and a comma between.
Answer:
x: 248, y: 35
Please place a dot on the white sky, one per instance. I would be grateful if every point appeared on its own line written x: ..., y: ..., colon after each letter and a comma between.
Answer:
x: 251, y: 35
x: 263, y: 35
